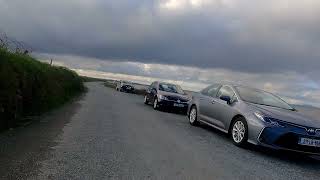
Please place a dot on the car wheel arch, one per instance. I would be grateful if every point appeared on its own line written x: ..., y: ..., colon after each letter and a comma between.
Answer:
x: 193, y: 105
x: 232, y: 121
x: 197, y: 108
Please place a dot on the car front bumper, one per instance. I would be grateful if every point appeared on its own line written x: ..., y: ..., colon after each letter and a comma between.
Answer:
x: 287, y: 138
x: 173, y: 104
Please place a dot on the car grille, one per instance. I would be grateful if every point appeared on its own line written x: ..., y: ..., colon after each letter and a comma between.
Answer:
x: 127, y: 87
x: 290, y: 141
x: 173, y: 98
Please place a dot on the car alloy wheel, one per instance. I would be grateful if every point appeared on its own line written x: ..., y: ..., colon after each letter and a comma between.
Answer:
x: 239, y: 132
x: 155, y: 103
x: 193, y: 116
x: 146, y: 99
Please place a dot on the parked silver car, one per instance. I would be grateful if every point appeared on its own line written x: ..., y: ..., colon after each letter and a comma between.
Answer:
x: 255, y: 116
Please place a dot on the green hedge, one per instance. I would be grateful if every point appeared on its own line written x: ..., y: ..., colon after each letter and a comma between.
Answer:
x: 29, y: 87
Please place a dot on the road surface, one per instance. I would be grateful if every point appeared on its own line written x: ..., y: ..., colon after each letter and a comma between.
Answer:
x: 113, y: 135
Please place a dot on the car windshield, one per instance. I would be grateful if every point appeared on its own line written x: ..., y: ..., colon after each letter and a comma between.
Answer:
x: 170, y: 88
x: 261, y: 97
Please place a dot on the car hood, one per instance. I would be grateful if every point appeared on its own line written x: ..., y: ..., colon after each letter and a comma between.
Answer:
x: 290, y: 116
x: 180, y: 96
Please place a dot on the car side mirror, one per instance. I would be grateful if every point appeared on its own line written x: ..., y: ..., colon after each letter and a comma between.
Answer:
x: 226, y: 98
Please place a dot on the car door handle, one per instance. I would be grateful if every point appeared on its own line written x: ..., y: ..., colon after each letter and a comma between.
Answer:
x: 213, y: 101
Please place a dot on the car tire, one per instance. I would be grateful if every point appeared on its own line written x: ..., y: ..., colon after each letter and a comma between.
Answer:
x: 239, y: 132
x: 155, y: 104
x: 193, y: 116
x: 146, y: 100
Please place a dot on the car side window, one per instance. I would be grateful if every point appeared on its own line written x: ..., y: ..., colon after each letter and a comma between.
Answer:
x: 226, y: 91
x: 211, y: 90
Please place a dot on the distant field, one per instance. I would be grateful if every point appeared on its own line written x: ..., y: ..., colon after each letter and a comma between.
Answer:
x: 92, y: 79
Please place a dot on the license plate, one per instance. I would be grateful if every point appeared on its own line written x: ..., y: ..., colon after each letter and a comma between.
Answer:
x: 178, y: 105
x: 309, y: 142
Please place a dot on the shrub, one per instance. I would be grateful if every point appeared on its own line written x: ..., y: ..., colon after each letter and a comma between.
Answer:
x: 29, y: 87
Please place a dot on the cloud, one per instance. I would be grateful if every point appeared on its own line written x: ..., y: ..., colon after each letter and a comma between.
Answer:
x: 246, y: 35
x: 270, y: 44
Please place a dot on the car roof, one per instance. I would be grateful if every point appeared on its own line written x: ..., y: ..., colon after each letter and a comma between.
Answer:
x: 248, y: 87
x: 168, y: 83
x: 235, y: 85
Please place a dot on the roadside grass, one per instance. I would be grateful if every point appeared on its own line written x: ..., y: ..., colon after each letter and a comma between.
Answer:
x: 29, y: 87
x: 110, y: 84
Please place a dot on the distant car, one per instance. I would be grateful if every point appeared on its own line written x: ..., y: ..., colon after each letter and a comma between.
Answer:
x: 124, y: 86
x: 162, y: 94
x: 255, y: 116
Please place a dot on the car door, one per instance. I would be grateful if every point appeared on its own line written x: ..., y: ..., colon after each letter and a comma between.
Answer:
x: 207, y: 105
x: 223, y: 111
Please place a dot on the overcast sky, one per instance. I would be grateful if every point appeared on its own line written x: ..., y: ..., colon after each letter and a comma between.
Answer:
x: 271, y: 44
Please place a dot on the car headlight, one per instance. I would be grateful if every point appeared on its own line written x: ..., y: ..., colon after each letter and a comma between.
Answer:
x: 162, y: 97
x: 268, y: 120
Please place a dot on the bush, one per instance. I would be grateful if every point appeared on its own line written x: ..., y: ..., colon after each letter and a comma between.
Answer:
x: 29, y: 87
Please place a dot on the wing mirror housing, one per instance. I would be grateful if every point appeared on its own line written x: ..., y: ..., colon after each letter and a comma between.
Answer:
x: 226, y: 98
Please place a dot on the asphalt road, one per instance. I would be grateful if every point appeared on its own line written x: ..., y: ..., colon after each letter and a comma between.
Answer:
x: 113, y: 135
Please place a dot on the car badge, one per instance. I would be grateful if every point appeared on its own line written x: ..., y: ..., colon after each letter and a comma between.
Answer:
x: 311, y: 131
x: 178, y: 101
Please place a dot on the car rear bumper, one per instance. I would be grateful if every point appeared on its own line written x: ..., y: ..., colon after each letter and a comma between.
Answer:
x: 287, y: 139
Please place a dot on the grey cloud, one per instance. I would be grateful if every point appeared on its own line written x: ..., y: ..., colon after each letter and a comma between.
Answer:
x: 247, y: 36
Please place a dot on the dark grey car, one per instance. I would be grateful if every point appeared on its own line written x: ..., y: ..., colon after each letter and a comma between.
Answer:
x: 168, y: 95
x: 255, y: 116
